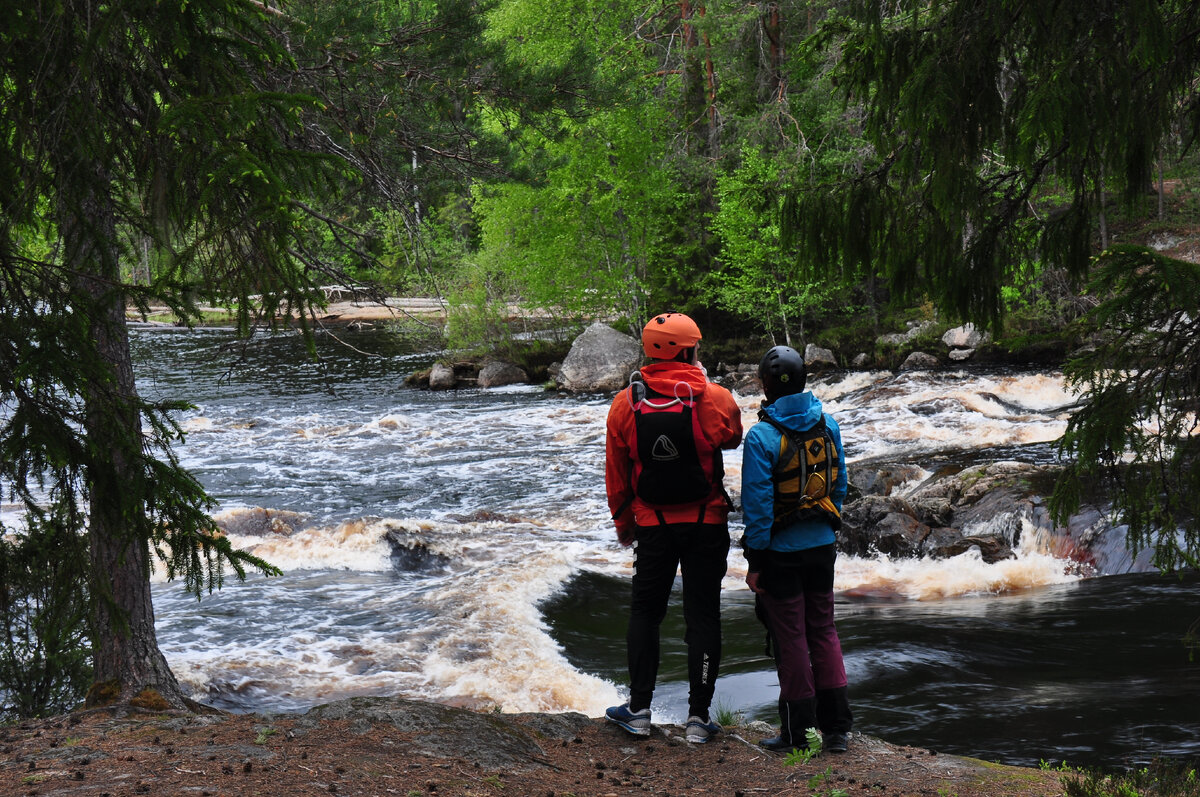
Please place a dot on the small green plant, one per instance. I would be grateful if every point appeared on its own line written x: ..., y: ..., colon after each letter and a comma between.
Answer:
x: 816, y: 781
x: 494, y: 780
x: 727, y: 717
x: 1048, y: 766
x: 264, y: 734
x: 798, y: 756
x: 1159, y: 779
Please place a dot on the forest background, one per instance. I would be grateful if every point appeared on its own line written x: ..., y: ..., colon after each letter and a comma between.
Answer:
x: 785, y: 172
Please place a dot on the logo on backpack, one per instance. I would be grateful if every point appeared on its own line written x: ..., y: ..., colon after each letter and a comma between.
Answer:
x: 664, y: 450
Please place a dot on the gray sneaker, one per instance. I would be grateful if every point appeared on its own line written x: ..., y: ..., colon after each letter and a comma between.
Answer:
x: 698, y: 731
x: 635, y: 722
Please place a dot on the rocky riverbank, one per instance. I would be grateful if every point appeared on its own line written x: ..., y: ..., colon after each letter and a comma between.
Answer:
x: 380, y: 746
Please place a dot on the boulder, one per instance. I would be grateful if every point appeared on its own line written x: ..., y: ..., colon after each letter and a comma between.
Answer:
x: 861, y: 360
x: 600, y: 359
x: 498, y: 373
x: 958, y: 355
x: 491, y: 740
x: 441, y: 377
x: 968, y: 336
x: 882, y: 479
x: 900, y: 338
x: 919, y: 361
x: 818, y: 359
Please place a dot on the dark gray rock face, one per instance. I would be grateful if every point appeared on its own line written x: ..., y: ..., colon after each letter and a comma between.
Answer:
x: 497, y: 374
x: 495, y: 741
x: 987, y: 507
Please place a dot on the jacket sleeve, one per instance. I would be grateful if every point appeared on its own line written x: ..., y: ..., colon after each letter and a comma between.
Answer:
x: 618, y: 466
x: 727, y: 420
x: 758, y: 493
x: 842, y: 483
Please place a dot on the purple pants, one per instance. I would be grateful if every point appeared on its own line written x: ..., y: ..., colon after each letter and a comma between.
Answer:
x: 808, y: 653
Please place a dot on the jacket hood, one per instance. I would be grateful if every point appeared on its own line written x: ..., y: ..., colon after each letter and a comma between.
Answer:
x: 665, y: 378
x: 798, y: 411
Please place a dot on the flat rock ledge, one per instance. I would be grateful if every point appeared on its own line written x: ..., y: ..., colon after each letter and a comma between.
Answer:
x: 384, y: 745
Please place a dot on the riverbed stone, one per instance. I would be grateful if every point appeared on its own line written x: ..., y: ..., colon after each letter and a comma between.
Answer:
x: 600, y: 359
x: 819, y: 359
x: 919, y: 361
x: 498, y: 373
x: 883, y: 479
x: 441, y: 377
x: 958, y: 355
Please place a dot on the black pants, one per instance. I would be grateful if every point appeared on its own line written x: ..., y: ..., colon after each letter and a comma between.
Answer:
x: 701, y: 552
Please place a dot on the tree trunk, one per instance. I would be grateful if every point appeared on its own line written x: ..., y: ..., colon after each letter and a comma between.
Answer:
x: 129, y: 667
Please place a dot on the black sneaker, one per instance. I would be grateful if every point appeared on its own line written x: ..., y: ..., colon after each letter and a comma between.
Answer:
x: 834, y: 742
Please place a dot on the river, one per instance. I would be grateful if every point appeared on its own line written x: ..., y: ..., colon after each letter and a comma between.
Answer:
x: 512, y: 592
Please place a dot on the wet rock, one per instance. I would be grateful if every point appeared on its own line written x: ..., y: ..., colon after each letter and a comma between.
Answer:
x: 441, y: 377
x: 497, y: 374
x: 958, y: 355
x: 411, y: 556
x: 919, y: 361
x: 986, y: 507
x: 882, y: 480
x: 600, y: 359
x: 861, y: 360
x: 259, y: 522
x: 818, y: 359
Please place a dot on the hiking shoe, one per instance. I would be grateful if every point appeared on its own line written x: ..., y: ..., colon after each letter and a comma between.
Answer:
x: 834, y: 742
x: 779, y: 744
x: 698, y: 731
x: 635, y: 722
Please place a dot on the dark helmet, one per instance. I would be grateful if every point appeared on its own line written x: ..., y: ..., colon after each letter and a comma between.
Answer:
x: 782, y: 372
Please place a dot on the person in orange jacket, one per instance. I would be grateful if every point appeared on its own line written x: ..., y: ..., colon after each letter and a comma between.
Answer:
x: 664, y: 478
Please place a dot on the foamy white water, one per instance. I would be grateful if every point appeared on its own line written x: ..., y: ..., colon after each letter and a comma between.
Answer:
x: 501, y: 493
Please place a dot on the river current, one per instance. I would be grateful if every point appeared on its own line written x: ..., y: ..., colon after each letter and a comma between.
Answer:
x: 504, y: 587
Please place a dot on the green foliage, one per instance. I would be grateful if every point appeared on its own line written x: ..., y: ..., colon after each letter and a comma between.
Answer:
x: 800, y: 756
x: 585, y: 241
x: 973, y: 109
x: 1162, y: 778
x: 44, y: 653
x: 756, y: 279
x: 1136, y: 430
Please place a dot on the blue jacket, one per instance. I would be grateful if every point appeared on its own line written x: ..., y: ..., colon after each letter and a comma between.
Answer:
x: 799, y: 411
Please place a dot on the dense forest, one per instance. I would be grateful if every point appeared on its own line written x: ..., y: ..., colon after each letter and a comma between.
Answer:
x: 792, y: 171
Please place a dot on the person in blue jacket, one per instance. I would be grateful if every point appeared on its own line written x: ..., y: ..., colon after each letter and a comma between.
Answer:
x: 793, y: 485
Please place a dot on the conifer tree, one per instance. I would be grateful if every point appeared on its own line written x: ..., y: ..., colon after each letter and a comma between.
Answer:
x: 214, y: 134
x: 1002, y: 130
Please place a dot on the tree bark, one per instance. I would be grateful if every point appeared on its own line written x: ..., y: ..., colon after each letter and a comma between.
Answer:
x: 129, y: 667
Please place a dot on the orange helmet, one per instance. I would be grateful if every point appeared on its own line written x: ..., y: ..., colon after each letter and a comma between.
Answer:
x: 667, y: 333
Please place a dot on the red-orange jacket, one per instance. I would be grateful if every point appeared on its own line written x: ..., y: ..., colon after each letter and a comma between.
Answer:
x: 720, y: 421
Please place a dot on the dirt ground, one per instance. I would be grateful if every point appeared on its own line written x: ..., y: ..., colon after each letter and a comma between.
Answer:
x: 389, y: 750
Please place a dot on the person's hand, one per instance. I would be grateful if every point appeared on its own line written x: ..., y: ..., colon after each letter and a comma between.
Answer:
x: 625, y: 537
x: 752, y: 583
